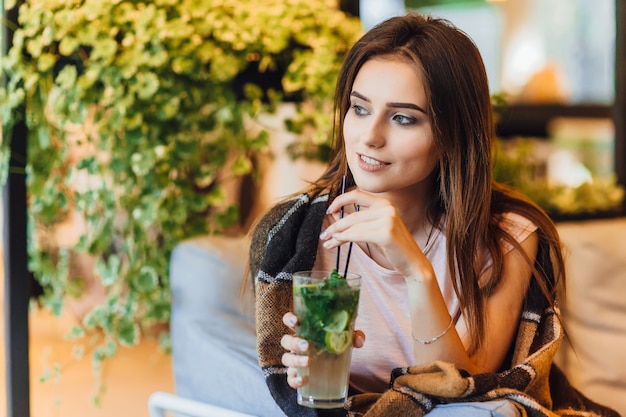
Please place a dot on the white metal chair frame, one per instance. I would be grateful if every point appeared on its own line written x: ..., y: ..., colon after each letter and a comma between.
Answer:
x: 160, y: 403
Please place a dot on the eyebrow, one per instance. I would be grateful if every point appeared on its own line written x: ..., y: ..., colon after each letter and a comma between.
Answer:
x: 391, y: 104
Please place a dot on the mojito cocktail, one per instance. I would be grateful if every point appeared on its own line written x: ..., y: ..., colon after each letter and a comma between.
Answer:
x: 326, y: 305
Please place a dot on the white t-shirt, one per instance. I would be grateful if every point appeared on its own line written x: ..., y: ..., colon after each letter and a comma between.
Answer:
x: 384, y: 313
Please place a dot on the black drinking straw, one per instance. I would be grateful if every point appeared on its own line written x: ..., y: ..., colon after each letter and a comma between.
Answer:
x: 343, y: 190
x: 345, y: 271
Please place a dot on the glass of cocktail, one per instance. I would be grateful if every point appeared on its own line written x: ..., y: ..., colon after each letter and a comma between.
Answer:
x: 326, y: 305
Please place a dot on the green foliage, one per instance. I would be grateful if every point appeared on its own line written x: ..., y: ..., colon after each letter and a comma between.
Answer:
x: 137, y: 112
x: 515, y: 164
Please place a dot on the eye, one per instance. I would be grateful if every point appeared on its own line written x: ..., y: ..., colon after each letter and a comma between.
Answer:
x: 358, y: 110
x: 404, y: 120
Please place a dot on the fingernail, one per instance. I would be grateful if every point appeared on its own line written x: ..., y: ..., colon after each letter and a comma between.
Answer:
x: 292, y: 321
x: 323, y: 235
x: 303, y: 345
x: 328, y: 210
x: 303, y: 360
x: 298, y: 380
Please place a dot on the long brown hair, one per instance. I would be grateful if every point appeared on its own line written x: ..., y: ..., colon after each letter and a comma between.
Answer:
x: 461, y: 115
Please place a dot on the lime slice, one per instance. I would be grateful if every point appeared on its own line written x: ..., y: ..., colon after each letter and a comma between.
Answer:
x: 338, y: 342
x: 299, y: 289
x: 338, y: 322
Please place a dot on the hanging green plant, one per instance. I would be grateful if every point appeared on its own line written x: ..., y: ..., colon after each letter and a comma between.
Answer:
x: 138, y: 113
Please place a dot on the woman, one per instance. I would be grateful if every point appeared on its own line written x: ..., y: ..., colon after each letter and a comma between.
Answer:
x: 447, y: 256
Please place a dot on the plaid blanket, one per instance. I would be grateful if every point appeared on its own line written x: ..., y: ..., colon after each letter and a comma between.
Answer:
x: 285, y: 241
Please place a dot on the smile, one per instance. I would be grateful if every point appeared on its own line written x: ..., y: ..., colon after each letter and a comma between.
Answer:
x: 371, y: 161
x: 368, y: 164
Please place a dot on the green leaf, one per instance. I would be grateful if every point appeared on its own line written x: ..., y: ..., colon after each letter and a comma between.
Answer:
x: 128, y: 333
x: 45, y: 62
x: 108, y: 270
x: 242, y: 166
x: 76, y: 332
x: 228, y: 217
x: 89, y: 164
x: 68, y: 45
x: 147, y: 280
x: 104, y: 49
x: 67, y: 77
x: 148, y: 85
x: 165, y: 342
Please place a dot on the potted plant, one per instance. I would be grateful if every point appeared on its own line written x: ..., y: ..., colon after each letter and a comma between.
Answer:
x: 138, y: 113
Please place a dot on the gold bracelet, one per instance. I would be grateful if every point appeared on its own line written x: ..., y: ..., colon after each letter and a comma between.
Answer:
x: 434, y: 339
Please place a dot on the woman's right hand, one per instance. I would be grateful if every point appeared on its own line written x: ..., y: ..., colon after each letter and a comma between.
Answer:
x: 296, y: 348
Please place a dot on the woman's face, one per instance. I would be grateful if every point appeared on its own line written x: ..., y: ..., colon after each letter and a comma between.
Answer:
x: 387, y: 130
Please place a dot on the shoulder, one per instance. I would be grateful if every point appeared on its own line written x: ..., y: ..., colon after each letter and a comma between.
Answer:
x: 281, y: 224
x: 517, y: 226
x: 518, y: 217
x: 276, y: 216
x: 285, y: 212
x: 516, y: 229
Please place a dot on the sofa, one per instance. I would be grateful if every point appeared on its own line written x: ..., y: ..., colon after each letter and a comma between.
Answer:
x: 212, y: 326
x: 594, y: 309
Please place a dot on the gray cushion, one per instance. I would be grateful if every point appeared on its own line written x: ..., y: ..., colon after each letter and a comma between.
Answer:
x: 212, y: 327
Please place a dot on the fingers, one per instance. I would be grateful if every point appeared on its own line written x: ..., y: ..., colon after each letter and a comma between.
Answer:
x: 294, y: 344
x: 375, y: 215
x: 359, y: 339
x: 296, y: 363
x: 290, y: 320
x: 358, y: 227
x: 292, y: 360
x: 351, y: 197
x: 294, y: 380
x: 295, y: 356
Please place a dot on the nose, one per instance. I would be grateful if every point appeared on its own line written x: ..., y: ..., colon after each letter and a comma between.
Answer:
x: 374, y: 133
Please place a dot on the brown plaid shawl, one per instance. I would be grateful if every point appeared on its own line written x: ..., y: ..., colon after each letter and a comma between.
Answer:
x: 285, y: 241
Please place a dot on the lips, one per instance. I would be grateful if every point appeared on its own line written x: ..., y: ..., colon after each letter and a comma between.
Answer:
x: 370, y: 164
